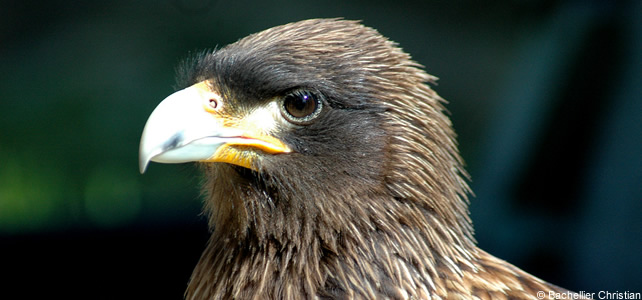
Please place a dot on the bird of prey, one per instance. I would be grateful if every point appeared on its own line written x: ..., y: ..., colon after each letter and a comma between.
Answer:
x: 331, y: 172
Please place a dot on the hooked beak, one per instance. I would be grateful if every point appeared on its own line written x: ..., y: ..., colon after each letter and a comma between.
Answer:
x: 192, y: 125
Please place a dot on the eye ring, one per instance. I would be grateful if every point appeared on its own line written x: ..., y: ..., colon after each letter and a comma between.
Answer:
x: 301, y: 107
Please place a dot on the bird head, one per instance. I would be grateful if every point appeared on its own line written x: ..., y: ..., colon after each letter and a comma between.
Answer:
x: 311, y: 129
x: 331, y: 171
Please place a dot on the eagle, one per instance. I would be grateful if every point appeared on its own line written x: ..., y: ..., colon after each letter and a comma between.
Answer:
x: 331, y: 171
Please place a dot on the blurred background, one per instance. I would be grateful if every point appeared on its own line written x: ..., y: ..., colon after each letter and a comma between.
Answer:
x: 546, y: 97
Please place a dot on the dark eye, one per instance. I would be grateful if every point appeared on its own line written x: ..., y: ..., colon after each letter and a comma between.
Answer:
x: 301, y: 107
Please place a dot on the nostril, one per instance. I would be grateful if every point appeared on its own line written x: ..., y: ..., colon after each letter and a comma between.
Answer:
x: 213, y: 103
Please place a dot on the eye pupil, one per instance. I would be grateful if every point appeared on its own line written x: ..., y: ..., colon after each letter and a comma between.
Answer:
x: 301, y: 106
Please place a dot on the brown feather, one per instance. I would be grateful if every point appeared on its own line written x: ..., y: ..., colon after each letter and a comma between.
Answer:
x: 386, y: 217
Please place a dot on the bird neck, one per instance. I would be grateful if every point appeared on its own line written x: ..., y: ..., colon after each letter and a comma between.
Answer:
x: 358, y: 246
x: 362, y: 262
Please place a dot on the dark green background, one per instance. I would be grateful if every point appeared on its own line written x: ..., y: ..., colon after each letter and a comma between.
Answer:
x: 545, y: 96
